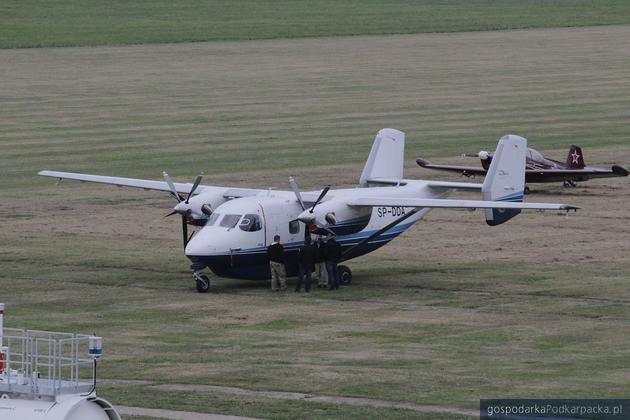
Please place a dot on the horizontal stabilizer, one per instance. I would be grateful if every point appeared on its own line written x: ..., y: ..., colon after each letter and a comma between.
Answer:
x: 453, y: 185
x: 386, y: 181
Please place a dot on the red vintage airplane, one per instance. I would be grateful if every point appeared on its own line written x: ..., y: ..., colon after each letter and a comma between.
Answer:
x: 538, y: 168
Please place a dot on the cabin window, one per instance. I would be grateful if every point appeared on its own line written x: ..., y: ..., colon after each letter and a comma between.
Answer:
x: 294, y: 226
x: 230, y: 220
x: 250, y: 223
x: 213, y: 218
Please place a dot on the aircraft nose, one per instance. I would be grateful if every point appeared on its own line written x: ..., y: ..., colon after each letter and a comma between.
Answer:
x: 195, y: 247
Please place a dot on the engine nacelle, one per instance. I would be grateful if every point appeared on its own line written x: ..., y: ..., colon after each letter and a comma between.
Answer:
x: 200, y: 207
x: 338, y: 217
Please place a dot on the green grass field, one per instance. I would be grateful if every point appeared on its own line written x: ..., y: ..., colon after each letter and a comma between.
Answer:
x: 451, y: 312
x: 36, y: 23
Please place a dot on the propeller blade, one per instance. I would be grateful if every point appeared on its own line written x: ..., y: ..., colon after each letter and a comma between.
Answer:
x: 321, y: 196
x: 171, y: 213
x: 470, y: 154
x: 171, y: 185
x: 185, y: 231
x: 194, y: 187
x: 296, y: 191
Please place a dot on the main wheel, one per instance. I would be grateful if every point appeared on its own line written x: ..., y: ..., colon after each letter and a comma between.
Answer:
x: 345, y: 275
x: 203, y: 283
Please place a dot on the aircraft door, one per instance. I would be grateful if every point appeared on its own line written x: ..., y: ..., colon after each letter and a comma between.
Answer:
x: 280, y: 218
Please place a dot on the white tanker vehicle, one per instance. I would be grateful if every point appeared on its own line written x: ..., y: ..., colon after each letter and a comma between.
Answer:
x: 46, y: 376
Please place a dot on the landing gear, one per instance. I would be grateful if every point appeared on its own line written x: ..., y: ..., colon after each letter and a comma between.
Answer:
x: 569, y: 183
x: 345, y: 275
x: 202, y: 282
x: 526, y: 190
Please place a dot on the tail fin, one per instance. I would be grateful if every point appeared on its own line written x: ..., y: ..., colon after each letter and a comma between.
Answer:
x: 505, y: 180
x: 386, y: 157
x: 575, y: 159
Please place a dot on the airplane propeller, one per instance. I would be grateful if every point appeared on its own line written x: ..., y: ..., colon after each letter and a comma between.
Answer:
x: 174, y: 192
x: 296, y: 191
x: 171, y: 185
x: 298, y: 195
x: 308, y: 221
x: 194, y: 187
x: 185, y: 231
x: 180, y: 209
x: 320, y: 198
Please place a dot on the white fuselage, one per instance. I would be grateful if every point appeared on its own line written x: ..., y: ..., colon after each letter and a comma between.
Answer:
x: 234, y: 241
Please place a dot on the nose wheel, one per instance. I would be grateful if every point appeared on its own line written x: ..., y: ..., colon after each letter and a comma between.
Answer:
x: 202, y: 282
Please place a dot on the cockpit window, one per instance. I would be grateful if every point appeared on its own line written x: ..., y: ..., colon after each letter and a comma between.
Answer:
x: 250, y: 223
x: 230, y: 220
x: 536, y: 156
x: 213, y: 218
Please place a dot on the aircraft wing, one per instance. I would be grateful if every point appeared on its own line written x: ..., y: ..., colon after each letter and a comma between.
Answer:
x: 142, y: 183
x: 453, y: 204
x: 464, y: 170
x: 615, y: 170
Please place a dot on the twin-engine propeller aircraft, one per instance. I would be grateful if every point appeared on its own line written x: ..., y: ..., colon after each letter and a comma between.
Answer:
x: 539, y: 168
x: 238, y: 224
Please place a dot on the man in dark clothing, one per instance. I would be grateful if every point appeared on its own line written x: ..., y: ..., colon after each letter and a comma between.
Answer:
x: 275, y: 252
x: 306, y: 264
x: 333, y: 255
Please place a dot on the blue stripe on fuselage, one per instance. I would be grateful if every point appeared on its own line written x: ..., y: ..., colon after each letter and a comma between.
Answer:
x: 252, y: 263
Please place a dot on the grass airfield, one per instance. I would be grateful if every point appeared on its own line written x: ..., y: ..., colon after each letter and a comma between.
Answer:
x: 451, y: 312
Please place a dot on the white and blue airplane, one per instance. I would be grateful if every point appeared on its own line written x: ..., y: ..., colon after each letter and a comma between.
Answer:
x: 237, y: 224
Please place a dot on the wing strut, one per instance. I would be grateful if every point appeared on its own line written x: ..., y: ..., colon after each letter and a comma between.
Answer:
x: 379, y: 232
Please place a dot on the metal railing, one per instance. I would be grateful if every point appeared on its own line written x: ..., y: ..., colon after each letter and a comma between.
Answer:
x: 45, y: 363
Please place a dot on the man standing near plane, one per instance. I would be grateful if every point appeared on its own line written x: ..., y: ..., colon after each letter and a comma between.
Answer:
x: 333, y: 254
x: 306, y: 261
x: 275, y: 252
x: 320, y: 263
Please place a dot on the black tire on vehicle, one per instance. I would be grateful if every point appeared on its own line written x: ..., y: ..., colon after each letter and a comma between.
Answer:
x: 345, y: 275
x: 203, y: 284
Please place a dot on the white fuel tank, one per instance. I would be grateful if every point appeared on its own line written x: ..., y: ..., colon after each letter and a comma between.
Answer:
x: 63, y: 408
